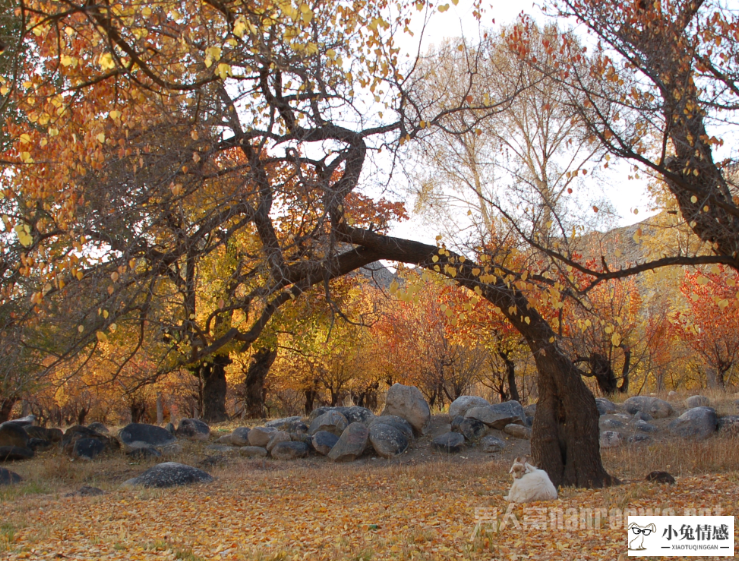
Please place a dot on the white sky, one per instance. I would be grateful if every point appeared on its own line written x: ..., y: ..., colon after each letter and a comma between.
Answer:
x: 625, y: 195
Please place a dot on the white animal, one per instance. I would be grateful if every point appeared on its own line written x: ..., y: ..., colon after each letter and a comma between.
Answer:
x: 639, y: 532
x: 529, y: 484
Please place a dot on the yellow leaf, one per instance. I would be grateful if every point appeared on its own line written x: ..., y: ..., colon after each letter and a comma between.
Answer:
x: 102, y: 337
x: 444, y: 8
x: 101, y: 138
x: 616, y: 339
x: 435, y: 258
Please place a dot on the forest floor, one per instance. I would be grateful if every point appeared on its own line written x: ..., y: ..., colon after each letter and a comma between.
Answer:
x: 421, y: 505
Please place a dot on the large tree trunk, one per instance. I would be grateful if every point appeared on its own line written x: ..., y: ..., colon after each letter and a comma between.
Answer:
x: 259, y: 367
x: 215, y: 388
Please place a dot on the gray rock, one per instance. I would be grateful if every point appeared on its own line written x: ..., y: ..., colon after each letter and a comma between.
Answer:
x: 277, y: 437
x: 222, y: 448
x: 301, y: 437
x: 356, y: 414
x: 499, y: 415
x: 464, y: 403
x: 148, y: 435
x: 698, y: 423
x: 15, y: 453
x: 605, y: 406
x: 13, y: 435
x: 89, y: 448
x: 387, y: 440
x: 639, y: 439
x: 73, y: 434
x: 240, y: 436
x: 99, y: 428
x: 39, y: 445
x: 518, y: 431
x: 38, y: 432
x: 451, y: 442
x: 144, y: 453
x: 318, y: 412
x: 260, y: 436
x: 472, y: 429
x: 643, y: 426
x: 290, y: 450
x: 284, y: 423
x: 491, y: 444
x: 225, y: 440
x: 26, y: 421
x: 408, y: 403
x: 611, y: 424
x: 394, y: 421
x: 169, y: 474
x: 8, y: 477
x: 657, y: 408
x: 530, y: 410
x: 86, y: 491
x: 641, y: 416
x: 729, y: 425
x: 610, y: 439
x: 331, y: 421
x: 193, y: 429
x: 351, y: 443
x: 323, y: 441
x: 697, y: 401
x: 253, y: 451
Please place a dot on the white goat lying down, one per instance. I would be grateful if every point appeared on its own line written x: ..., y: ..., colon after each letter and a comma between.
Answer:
x: 529, y: 483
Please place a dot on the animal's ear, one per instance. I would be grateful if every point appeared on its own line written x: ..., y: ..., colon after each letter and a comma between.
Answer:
x: 631, y: 525
x: 652, y: 527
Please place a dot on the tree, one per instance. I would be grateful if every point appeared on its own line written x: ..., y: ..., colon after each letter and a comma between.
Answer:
x: 708, y: 325
x: 250, y: 166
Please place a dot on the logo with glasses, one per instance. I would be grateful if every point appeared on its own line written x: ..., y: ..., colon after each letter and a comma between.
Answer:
x: 637, y: 534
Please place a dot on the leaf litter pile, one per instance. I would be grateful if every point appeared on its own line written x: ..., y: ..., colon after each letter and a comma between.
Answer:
x: 427, y: 511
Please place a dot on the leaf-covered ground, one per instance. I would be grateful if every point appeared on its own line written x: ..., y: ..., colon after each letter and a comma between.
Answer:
x: 332, y: 512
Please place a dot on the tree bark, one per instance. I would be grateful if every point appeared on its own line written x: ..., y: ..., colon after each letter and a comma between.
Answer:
x: 254, y: 396
x: 213, y: 375
x: 511, y: 374
x: 6, y: 408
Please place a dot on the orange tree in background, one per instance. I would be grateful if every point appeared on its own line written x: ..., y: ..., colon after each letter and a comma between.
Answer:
x: 708, y: 324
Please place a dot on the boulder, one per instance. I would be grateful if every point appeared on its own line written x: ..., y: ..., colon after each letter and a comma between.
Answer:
x: 225, y: 440
x: 451, y: 442
x: 8, y: 477
x: 144, y: 453
x: 318, y: 412
x: 697, y: 401
x: 277, y: 437
x: 611, y: 423
x: 356, y: 414
x: 530, y: 410
x: 698, y: 423
x: 729, y: 425
x: 260, y: 436
x: 394, y: 421
x: 331, y: 421
x: 661, y: 477
x: 86, y: 491
x: 39, y: 445
x: 387, y: 440
x: 253, y: 451
x: 193, y: 429
x: 639, y: 439
x: 15, y: 453
x: 472, y: 429
x: 499, y: 415
x: 54, y: 435
x: 13, y: 435
x: 351, y: 443
x: 491, y: 444
x: 99, y: 428
x: 79, y: 432
x: 146, y: 435
x: 223, y: 448
x: 643, y: 426
x: 641, y: 416
x: 169, y: 474
x: 290, y: 450
x: 518, y: 431
x: 408, y: 403
x: 323, y: 441
x: 88, y: 448
x: 301, y: 437
x: 240, y: 436
x: 610, y: 439
x: 605, y: 406
x: 285, y: 423
x: 657, y: 408
x: 38, y: 432
x: 26, y: 421
x: 464, y: 403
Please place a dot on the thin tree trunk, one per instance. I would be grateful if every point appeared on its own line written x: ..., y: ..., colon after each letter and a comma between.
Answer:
x: 215, y: 388
x: 511, y: 374
x: 624, y: 387
x: 259, y: 367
